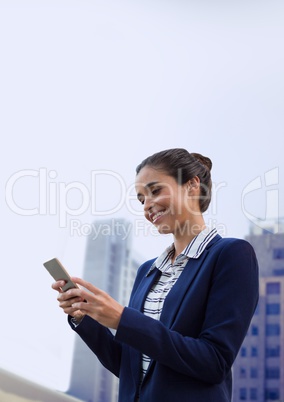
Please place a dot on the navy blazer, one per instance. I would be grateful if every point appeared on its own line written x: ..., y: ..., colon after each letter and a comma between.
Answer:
x: 204, y: 320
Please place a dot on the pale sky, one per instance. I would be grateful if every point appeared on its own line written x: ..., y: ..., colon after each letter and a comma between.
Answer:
x: 90, y: 88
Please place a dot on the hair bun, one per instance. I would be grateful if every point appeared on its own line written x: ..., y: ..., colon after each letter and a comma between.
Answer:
x: 204, y: 160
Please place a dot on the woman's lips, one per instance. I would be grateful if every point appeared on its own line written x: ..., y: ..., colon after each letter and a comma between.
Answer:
x: 156, y: 215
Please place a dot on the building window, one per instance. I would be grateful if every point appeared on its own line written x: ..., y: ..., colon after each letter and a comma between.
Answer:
x: 278, y: 272
x: 273, y: 309
x: 272, y: 394
x: 254, y: 330
x: 272, y: 372
x: 254, y: 351
x: 243, y: 394
x: 272, y: 329
x: 278, y: 253
x: 243, y: 351
x: 253, y: 394
x: 253, y: 372
x: 243, y: 372
x: 273, y: 288
x: 273, y: 351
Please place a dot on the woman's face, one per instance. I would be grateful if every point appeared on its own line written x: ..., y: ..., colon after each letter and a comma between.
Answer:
x: 167, y: 204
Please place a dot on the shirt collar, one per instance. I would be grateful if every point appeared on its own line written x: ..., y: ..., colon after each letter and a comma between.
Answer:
x: 193, y: 250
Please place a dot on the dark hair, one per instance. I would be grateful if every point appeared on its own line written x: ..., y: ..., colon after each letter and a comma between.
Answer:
x: 183, y: 166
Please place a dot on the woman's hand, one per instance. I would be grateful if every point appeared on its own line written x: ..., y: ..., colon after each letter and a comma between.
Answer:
x: 93, y: 302
x: 66, y: 300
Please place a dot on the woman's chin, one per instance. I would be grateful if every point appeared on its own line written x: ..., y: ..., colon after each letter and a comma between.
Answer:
x: 163, y: 229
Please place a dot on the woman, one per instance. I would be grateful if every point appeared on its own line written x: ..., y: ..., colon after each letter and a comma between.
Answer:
x: 189, y: 309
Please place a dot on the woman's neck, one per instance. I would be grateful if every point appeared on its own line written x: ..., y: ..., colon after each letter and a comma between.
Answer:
x: 186, y: 234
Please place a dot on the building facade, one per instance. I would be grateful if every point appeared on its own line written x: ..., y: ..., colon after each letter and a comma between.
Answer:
x: 111, y: 266
x: 258, y: 371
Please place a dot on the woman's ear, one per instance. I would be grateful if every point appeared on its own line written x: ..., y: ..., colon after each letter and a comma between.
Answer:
x: 193, y: 184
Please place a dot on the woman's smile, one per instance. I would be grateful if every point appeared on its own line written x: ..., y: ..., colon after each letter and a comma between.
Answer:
x: 154, y: 217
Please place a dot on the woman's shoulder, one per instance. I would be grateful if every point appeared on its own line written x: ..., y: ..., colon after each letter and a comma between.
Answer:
x: 225, y: 241
x: 231, y: 244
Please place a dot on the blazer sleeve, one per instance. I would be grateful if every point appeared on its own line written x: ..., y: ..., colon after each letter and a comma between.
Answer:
x: 232, y: 297
x: 101, y: 341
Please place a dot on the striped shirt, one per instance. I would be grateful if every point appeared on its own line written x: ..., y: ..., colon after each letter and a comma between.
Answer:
x: 170, y: 272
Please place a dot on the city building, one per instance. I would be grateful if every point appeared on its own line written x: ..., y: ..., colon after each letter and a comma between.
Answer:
x: 111, y: 265
x: 259, y: 368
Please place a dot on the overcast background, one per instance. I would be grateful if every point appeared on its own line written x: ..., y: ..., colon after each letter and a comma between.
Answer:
x: 96, y: 86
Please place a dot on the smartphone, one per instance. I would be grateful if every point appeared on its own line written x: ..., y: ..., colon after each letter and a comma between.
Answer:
x: 58, y: 272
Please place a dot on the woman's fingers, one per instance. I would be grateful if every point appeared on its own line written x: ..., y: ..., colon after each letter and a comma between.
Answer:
x: 68, y: 302
x: 90, y: 300
x: 66, y: 299
x: 87, y: 285
x: 58, y: 285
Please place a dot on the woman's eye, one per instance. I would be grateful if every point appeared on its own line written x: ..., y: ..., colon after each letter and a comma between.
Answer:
x: 156, y: 191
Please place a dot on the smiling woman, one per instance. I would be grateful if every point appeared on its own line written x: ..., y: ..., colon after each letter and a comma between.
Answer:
x: 183, y: 167
x: 175, y: 188
x: 190, y: 308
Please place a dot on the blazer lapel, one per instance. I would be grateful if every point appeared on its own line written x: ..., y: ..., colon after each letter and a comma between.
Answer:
x: 179, y: 290
x: 138, y: 298
x: 176, y: 295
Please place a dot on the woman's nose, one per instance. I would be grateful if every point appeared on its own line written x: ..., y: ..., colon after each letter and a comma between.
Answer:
x: 148, y: 203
